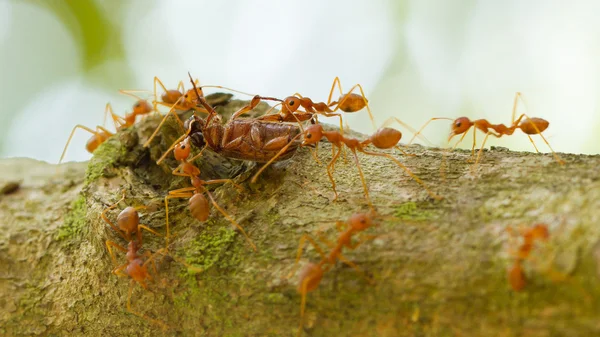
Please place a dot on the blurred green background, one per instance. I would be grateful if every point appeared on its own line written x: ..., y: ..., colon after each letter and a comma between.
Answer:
x: 63, y: 60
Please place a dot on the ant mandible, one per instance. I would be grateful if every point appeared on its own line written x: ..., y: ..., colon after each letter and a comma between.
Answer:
x: 312, y: 273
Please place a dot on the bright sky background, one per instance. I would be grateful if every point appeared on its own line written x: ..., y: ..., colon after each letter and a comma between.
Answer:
x: 416, y: 60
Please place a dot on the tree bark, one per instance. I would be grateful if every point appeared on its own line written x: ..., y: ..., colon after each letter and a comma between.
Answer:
x: 439, y: 267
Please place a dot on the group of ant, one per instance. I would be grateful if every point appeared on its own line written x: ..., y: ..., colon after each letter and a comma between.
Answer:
x: 266, y: 139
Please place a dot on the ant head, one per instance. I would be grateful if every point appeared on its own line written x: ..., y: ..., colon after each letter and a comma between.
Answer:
x: 312, y: 134
x: 292, y: 103
x: 360, y: 221
x: 182, y: 150
x: 141, y: 107
x: 460, y: 126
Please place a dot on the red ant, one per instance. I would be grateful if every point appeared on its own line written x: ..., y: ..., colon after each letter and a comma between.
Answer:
x: 516, y: 275
x: 311, y: 274
x: 384, y: 138
x: 198, y: 204
x: 529, y: 126
x: 101, y: 134
x: 137, y: 269
x: 349, y: 102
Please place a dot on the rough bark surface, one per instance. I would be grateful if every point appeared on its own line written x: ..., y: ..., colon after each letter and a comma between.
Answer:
x: 439, y: 266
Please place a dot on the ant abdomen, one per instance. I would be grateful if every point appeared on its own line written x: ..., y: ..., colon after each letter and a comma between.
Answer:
x: 533, y: 126
x: 199, y: 207
x: 352, y: 102
x: 310, y: 277
x: 171, y: 96
x: 128, y: 220
x: 386, y: 138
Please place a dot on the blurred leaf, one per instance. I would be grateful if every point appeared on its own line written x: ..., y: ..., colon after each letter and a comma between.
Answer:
x: 96, y: 36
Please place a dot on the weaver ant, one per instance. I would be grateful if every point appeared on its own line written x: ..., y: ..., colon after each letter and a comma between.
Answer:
x: 384, y: 138
x: 312, y: 273
x: 101, y: 134
x: 198, y: 204
x: 349, y: 102
x: 137, y: 269
x: 529, y: 126
x: 516, y: 275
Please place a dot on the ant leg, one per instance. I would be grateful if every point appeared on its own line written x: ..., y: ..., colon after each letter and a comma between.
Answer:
x: 144, y: 227
x: 425, y: 125
x: 230, y: 219
x: 179, y: 193
x: 532, y: 143
x: 336, y: 80
x: 245, y: 109
x: 330, y: 170
x: 157, y: 80
x: 481, y: 149
x: 362, y: 179
x: 79, y: 126
x: 161, y: 324
x: 118, y: 121
x: 303, y: 240
x: 283, y: 149
x: 224, y: 181
x: 107, y: 220
x: 171, y: 111
x: 410, y: 128
x: 119, y: 270
x: 130, y: 93
x: 226, y: 88
x: 346, y: 261
x: 364, y: 98
x: 412, y: 175
x: 110, y: 244
x: 558, y: 159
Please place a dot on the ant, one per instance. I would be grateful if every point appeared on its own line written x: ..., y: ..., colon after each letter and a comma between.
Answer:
x: 529, y: 126
x: 349, y: 102
x: 384, y: 138
x: 198, y: 204
x: 516, y: 275
x: 137, y: 269
x: 128, y: 221
x: 101, y: 134
x: 312, y: 273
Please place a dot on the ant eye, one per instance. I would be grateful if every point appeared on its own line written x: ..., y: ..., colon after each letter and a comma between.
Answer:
x: 458, y: 124
x: 292, y: 103
x: 137, y: 105
x: 308, y: 135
